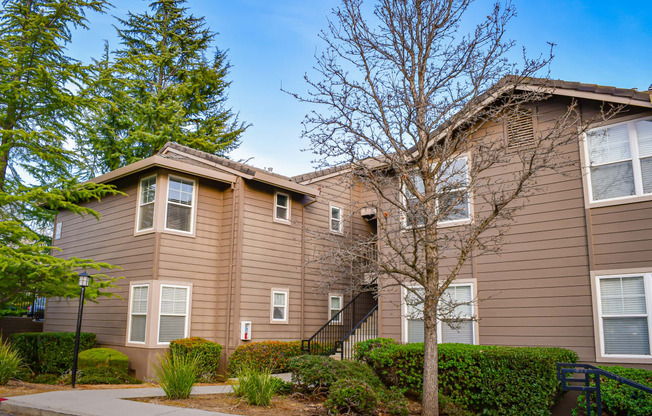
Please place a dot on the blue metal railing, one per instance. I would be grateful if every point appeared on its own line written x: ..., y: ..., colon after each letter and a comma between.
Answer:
x: 590, y: 382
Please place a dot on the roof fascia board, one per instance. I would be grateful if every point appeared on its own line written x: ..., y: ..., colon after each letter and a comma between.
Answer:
x: 285, y: 184
x: 208, y: 162
x: 159, y: 161
x: 324, y: 177
x: 587, y: 95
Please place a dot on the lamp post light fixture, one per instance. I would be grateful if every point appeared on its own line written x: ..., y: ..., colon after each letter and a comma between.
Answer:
x: 84, y: 280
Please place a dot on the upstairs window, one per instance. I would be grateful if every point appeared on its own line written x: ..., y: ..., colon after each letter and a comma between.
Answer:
x: 282, y: 207
x: 453, y: 202
x: 180, y: 203
x: 336, y: 220
x: 147, y: 196
x: 620, y: 160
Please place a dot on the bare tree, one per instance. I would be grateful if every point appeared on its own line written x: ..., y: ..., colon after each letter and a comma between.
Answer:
x: 407, y: 98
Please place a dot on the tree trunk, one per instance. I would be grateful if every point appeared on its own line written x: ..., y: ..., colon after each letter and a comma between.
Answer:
x: 430, y: 400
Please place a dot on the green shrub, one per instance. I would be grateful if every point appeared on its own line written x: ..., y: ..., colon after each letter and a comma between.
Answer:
x: 207, y: 352
x: 105, y: 375
x: 104, y: 357
x: 10, y: 362
x: 257, y: 386
x: 46, y: 379
x: 482, y: 379
x: 176, y: 374
x: 50, y: 352
x: 618, y: 399
x: 274, y: 355
x: 313, y: 373
x: 352, y: 396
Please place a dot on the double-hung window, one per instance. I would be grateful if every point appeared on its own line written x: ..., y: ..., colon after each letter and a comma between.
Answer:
x: 279, y: 306
x: 457, y: 326
x: 282, y: 207
x: 179, y: 213
x: 624, y: 316
x: 138, y: 319
x: 147, y: 196
x: 334, y: 308
x: 453, y: 202
x: 173, y: 315
x: 336, y: 220
x: 620, y: 160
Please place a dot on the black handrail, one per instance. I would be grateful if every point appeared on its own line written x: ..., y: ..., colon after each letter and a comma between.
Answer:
x: 563, y: 369
x: 371, y: 320
x: 340, y: 325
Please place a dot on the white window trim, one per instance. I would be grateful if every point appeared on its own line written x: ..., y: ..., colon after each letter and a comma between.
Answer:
x: 139, y: 204
x: 636, y: 166
x: 193, y: 208
x: 58, y: 225
x: 130, y: 314
x: 330, y: 307
x: 286, y: 319
x: 187, y: 313
x: 442, y: 224
x: 601, y: 356
x: 330, y: 220
x: 474, y: 312
x: 289, y: 208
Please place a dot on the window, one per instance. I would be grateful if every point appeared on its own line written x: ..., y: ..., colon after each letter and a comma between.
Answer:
x: 623, y: 309
x: 279, y: 306
x: 146, y: 199
x: 620, y: 160
x: 458, y: 299
x: 138, y: 321
x: 180, y: 204
x: 173, y: 316
x: 453, y: 203
x: 282, y: 207
x: 336, y: 220
x: 57, y: 230
x: 335, y: 306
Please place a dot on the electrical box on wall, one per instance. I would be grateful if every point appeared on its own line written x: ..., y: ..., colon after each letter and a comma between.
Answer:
x: 245, y: 330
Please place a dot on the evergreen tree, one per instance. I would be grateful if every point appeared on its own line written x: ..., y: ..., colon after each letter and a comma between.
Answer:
x: 39, y: 104
x: 161, y: 87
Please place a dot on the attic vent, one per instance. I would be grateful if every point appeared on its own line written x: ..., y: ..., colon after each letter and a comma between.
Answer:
x: 520, y: 130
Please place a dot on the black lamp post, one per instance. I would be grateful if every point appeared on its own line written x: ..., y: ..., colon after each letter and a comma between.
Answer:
x: 83, y: 283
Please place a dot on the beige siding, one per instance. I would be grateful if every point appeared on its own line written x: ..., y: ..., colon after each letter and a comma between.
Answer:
x: 109, y: 240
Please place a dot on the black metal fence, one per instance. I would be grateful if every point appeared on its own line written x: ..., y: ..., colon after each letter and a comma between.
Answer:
x: 589, y: 382
x: 329, y: 339
x: 34, y: 308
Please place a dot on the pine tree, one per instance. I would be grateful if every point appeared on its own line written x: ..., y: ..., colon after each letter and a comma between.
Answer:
x: 161, y: 87
x: 39, y: 105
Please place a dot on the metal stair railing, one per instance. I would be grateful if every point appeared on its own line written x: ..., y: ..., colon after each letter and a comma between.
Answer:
x: 367, y: 327
x: 339, y: 327
x: 565, y: 369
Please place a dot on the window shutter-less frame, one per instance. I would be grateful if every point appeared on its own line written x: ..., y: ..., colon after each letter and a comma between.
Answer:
x: 173, y: 315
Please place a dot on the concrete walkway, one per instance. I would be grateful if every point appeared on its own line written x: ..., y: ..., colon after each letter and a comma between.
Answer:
x: 106, y: 403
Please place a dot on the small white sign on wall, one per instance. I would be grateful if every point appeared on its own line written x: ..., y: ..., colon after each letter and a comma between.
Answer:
x: 245, y: 330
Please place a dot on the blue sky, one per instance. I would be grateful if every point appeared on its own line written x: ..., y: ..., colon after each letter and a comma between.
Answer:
x: 272, y: 43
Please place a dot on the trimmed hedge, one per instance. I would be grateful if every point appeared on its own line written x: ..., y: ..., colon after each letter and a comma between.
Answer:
x: 317, y: 373
x: 272, y: 355
x: 618, y: 399
x: 104, y: 357
x: 482, y: 379
x: 50, y: 352
x: 207, y: 353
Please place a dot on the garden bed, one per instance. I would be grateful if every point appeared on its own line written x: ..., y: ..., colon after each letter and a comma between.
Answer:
x: 20, y: 388
x: 291, y: 405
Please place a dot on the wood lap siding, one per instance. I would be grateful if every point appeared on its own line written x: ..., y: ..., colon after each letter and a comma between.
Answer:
x: 109, y: 240
x: 537, y: 291
x: 197, y: 260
